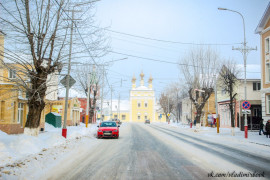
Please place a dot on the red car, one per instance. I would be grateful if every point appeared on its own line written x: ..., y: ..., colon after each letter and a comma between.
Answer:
x: 108, y: 129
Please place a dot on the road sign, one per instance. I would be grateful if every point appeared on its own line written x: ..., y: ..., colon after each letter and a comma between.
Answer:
x: 246, y: 105
x: 71, y: 81
x: 168, y: 114
x: 246, y: 111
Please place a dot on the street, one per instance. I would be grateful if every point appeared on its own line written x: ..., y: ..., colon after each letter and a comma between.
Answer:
x: 155, y: 152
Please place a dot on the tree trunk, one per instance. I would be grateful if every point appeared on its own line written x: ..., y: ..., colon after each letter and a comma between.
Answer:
x: 33, y: 118
x: 92, y: 109
x: 36, y: 104
x: 231, y: 110
x: 198, y: 118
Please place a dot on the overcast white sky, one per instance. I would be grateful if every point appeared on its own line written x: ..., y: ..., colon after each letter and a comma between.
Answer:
x: 187, y: 21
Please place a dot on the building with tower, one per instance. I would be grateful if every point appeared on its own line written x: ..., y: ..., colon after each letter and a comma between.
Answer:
x: 142, y: 104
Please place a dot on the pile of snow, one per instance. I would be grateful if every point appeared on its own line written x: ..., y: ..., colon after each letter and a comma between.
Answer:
x: 224, y: 134
x: 16, y: 147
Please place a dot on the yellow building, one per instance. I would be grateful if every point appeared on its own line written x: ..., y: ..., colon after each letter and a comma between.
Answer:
x: 141, y: 105
x: 142, y: 101
x: 13, y: 99
x: 263, y: 29
x: 209, y: 110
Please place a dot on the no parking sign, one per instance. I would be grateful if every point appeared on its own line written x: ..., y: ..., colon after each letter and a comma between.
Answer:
x: 246, y: 105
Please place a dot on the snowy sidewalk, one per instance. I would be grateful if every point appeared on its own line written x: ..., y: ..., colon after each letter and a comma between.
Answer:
x: 255, y: 143
x: 16, y: 147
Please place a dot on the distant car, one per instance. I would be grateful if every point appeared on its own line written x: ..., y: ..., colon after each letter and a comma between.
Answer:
x: 108, y: 129
x: 147, y: 121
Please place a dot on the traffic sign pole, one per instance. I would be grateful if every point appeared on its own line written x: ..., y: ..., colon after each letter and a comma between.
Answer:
x: 246, y: 105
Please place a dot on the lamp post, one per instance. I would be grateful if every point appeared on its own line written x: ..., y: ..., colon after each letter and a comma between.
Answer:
x: 244, y: 50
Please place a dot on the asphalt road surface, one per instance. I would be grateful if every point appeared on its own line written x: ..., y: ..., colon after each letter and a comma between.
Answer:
x: 155, y: 152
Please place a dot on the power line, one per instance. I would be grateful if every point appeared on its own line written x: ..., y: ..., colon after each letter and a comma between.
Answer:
x: 161, y: 61
x: 167, y: 41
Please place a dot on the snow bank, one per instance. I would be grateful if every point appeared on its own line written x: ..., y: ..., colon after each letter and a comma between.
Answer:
x: 15, y: 147
x: 253, y: 143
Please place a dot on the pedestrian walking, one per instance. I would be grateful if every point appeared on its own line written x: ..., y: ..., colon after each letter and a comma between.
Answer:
x: 267, y: 129
x: 261, y: 127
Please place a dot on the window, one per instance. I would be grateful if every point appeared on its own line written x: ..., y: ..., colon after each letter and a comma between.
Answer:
x: 223, y: 91
x: 145, y: 104
x: 20, y: 94
x: 115, y: 116
x: 123, y: 117
x: 11, y: 74
x: 139, y: 104
x: 256, y: 112
x: 14, y: 111
x: 267, y: 45
x: 2, y: 115
x: 145, y: 117
x: 268, y: 104
x: 20, y: 113
x: 267, y: 72
x: 139, y: 117
x: 256, y: 86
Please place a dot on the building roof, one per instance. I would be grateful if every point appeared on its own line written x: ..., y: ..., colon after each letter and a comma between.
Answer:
x: 142, y: 88
x: 124, y: 105
x: 263, y: 20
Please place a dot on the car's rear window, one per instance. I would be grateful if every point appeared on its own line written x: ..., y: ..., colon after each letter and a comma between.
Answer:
x: 108, y: 124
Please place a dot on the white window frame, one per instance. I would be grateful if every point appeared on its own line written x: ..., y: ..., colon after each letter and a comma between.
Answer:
x: 20, y: 113
x: 267, y: 45
x: 257, y: 86
x: 267, y: 73
x: 11, y: 74
x: 268, y: 104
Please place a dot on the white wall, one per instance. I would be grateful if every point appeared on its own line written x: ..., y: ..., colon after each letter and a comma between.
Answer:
x: 186, y: 110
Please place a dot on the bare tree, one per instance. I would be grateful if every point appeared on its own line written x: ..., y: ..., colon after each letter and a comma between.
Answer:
x: 227, y: 81
x: 89, y: 77
x: 172, y: 96
x: 167, y: 104
x: 199, y: 67
x: 37, y: 29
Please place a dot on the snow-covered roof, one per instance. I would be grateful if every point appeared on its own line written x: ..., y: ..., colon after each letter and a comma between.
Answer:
x: 142, y: 88
x: 56, y: 114
x: 263, y: 20
x: 124, y: 105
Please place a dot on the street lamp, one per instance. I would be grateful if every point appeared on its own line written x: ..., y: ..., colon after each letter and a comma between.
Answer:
x: 244, y: 50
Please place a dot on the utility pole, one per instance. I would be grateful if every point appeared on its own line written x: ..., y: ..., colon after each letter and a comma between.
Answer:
x: 64, y: 130
x: 119, y: 107
x: 168, y: 110
x: 87, y: 105
x: 111, y: 103
x: 191, y: 113
x: 101, y: 112
x: 216, y: 104
x: 177, y: 106
x: 244, y: 50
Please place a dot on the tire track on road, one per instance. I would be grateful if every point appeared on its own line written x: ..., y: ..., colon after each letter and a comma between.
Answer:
x: 235, y: 159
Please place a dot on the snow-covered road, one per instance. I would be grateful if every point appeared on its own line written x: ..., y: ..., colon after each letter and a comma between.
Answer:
x: 155, y: 151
